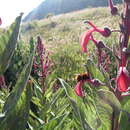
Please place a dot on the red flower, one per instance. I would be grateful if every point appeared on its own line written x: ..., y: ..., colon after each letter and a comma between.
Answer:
x: 123, y: 80
x: 78, y: 89
x: 106, y: 32
x: 88, y: 35
x: 0, y: 21
x: 85, y: 39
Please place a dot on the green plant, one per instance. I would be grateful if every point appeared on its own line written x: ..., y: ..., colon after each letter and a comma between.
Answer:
x: 17, y: 105
x: 100, y: 77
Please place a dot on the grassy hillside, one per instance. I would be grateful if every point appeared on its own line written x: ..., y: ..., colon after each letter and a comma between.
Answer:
x: 67, y: 28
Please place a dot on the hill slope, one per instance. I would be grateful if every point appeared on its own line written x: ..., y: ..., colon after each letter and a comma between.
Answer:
x: 62, y: 6
x: 61, y: 35
x: 65, y: 29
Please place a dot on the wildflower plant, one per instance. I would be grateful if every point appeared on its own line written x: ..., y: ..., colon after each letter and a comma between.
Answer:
x: 122, y: 80
x: 99, y: 99
x: 14, y: 104
x: 110, y: 89
x: 42, y: 63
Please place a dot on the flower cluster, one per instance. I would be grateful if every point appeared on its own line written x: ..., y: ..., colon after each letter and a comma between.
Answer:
x: 88, y: 35
x: 42, y: 63
x: 122, y: 81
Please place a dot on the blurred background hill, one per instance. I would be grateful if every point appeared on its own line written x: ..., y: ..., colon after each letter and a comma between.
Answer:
x: 63, y: 6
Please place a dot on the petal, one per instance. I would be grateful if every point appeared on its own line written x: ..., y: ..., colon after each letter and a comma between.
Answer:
x: 78, y: 89
x: 123, y: 81
x: 2, y: 80
x: 85, y: 39
x: 106, y: 32
x: 0, y: 21
x: 94, y: 40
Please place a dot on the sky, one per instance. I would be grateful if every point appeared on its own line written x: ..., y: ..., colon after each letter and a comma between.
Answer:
x: 10, y: 9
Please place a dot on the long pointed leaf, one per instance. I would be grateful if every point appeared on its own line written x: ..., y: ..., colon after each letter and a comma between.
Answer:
x: 12, y: 104
x: 76, y: 106
x: 9, y: 41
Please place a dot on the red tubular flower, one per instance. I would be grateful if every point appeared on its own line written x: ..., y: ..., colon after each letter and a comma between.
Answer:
x: 86, y: 36
x: 78, y: 89
x: 106, y: 32
x: 114, y: 9
x: 0, y: 21
x: 80, y: 82
x: 123, y: 80
x: 85, y: 39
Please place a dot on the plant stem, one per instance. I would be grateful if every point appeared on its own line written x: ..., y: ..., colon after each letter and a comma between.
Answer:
x: 115, y: 123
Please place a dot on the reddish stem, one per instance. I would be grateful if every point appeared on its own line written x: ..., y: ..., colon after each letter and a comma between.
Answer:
x: 124, y: 37
x: 110, y: 2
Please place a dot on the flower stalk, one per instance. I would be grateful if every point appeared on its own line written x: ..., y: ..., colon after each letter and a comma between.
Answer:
x: 41, y: 64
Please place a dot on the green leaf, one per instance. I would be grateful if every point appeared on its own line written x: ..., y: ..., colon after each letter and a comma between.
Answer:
x: 125, y: 116
x: 94, y: 71
x: 77, y: 106
x: 55, y: 123
x: 110, y: 99
x: 18, y: 117
x: 19, y: 87
x: 17, y: 104
x: 8, y: 43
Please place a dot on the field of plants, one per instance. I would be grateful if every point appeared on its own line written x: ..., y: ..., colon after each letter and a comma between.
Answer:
x: 67, y: 72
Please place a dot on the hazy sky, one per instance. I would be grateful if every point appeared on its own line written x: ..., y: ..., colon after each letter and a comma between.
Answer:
x: 10, y: 9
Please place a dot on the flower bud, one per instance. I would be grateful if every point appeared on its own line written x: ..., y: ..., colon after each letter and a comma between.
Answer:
x: 107, y: 32
x: 114, y: 11
x: 100, y: 44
